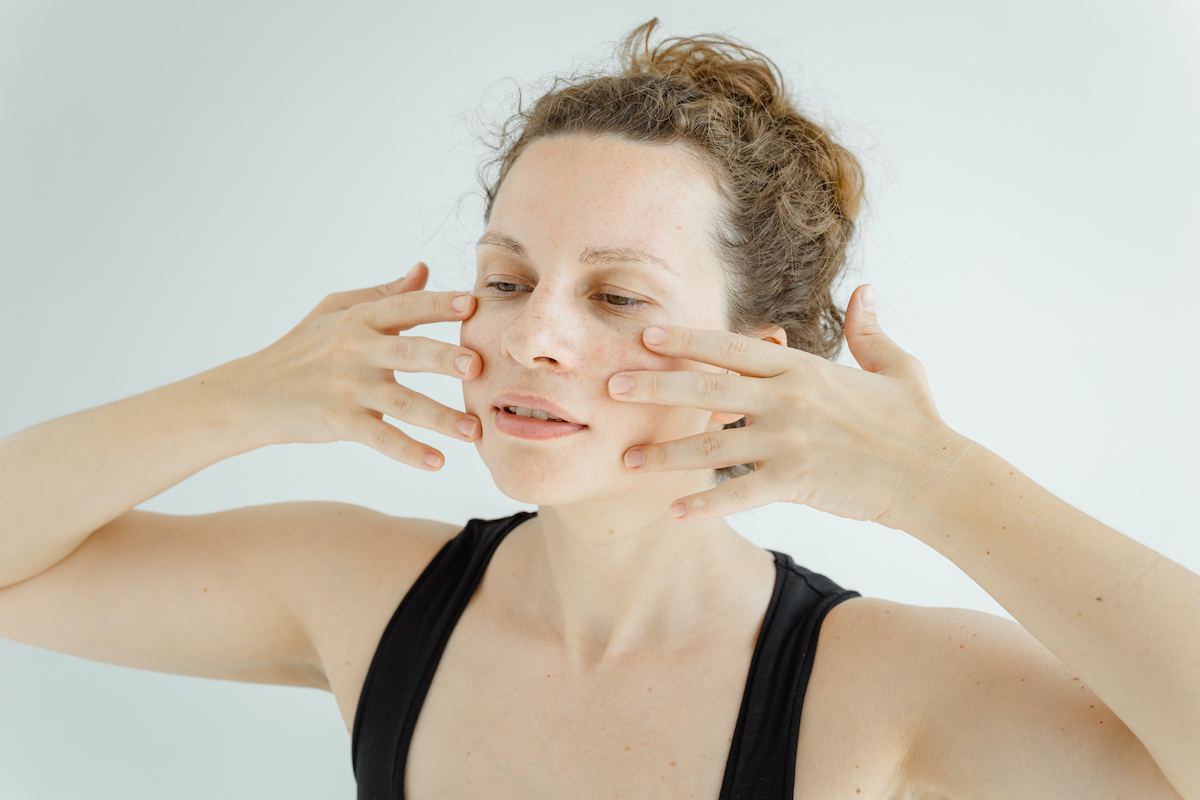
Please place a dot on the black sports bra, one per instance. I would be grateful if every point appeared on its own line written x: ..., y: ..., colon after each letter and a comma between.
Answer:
x: 762, y: 756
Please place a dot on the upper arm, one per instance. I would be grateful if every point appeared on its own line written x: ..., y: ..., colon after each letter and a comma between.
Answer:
x: 999, y: 716
x: 250, y: 594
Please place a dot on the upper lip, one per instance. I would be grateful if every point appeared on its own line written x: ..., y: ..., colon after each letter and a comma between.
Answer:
x: 536, y: 403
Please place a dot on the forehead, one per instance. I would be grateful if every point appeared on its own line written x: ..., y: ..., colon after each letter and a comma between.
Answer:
x: 576, y: 192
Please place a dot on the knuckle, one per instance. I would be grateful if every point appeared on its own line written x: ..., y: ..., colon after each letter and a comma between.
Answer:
x: 736, y: 348
x: 735, y: 492
x: 399, y: 404
x: 709, y: 384
x: 709, y: 444
x: 384, y: 437
x: 403, y: 349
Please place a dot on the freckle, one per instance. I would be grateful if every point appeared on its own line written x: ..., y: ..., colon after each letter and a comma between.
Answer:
x: 1097, y: 598
x: 961, y: 646
x: 1003, y: 527
x: 626, y: 748
x: 1074, y: 679
x: 1091, y: 706
x: 989, y: 552
x: 672, y: 763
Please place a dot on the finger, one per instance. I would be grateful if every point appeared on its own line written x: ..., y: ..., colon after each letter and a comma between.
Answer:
x: 744, y: 355
x: 415, y: 279
x: 394, y: 443
x: 403, y: 311
x: 739, y: 494
x: 422, y: 354
x: 415, y: 408
x: 694, y: 388
x: 713, y: 450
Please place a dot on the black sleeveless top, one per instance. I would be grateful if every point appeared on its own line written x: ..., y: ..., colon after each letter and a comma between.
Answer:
x: 762, y: 757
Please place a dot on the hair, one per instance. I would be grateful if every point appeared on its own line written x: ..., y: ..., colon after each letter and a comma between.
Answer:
x: 789, y: 193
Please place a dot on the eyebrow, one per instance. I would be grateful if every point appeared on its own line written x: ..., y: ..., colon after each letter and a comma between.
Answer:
x: 592, y: 255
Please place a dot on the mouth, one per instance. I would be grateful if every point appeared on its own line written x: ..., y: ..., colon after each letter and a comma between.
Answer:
x: 528, y: 417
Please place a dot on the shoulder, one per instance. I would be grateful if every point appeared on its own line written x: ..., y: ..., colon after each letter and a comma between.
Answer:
x: 358, y: 568
x: 962, y: 703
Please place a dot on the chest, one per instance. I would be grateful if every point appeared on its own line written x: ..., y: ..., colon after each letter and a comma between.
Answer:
x: 505, y: 720
x: 513, y: 720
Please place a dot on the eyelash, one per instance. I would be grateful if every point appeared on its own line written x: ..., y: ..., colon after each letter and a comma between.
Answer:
x: 630, y: 301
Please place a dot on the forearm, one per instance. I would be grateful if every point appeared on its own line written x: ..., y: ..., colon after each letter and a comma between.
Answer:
x: 1123, y: 617
x: 61, y: 480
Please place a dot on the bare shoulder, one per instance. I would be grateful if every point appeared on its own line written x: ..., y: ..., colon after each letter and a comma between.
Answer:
x: 364, y: 570
x: 961, y: 703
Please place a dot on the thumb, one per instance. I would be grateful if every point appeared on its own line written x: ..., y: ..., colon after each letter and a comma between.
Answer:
x: 871, y: 347
x: 414, y: 280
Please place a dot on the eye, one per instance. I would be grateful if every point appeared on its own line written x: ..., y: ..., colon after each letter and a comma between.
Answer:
x: 620, y: 300
x: 505, y: 288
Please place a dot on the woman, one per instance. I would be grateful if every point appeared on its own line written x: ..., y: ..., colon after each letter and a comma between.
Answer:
x: 655, y: 274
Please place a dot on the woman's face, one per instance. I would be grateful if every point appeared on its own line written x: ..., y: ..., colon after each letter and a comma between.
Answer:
x: 563, y: 301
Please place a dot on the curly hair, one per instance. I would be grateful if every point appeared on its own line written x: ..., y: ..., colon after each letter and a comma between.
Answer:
x: 789, y: 193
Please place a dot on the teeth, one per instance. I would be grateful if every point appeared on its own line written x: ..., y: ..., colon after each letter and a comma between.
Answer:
x: 531, y: 412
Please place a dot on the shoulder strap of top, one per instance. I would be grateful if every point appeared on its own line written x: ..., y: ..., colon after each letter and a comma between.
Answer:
x: 762, y: 756
x: 408, y: 654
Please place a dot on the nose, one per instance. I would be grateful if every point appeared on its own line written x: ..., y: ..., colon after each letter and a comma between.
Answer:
x: 546, y: 331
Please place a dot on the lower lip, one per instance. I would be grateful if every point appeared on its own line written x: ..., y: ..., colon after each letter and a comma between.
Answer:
x: 532, y: 427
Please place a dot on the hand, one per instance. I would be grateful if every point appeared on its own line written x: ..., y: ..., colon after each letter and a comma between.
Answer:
x: 856, y: 443
x: 331, y: 377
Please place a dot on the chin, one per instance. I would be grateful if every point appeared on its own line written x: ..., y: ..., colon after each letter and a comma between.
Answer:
x: 544, y: 480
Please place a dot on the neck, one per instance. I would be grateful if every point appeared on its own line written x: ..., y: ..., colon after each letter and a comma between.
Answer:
x: 615, y: 577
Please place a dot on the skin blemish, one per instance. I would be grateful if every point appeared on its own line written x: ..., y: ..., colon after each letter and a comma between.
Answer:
x: 206, y: 588
x: 672, y: 763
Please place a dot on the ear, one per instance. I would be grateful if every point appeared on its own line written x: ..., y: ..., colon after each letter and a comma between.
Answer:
x: 774, y: 335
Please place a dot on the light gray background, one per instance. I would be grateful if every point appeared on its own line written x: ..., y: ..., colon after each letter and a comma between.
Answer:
x: 181, y: 182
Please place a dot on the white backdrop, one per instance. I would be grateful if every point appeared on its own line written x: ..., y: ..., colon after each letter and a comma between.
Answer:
x: 181, y: 182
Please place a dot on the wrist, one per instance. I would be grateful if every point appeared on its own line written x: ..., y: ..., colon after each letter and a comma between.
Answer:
x: 939, y: 471
x: 221, y: 404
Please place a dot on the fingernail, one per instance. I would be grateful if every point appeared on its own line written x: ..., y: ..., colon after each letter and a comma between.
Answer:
x: 620, y: 384
x: 634, y: 458
x: 432, y: 459
x: 868, y: 298
x: 461, y: 302
x: 655, y: 335
x: 466, y: 427
x: 411, y: 271
x: 679, y: 511
x: 463, y: 362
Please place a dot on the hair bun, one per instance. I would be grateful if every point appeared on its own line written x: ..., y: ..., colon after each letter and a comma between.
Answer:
x: 718, y: 64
